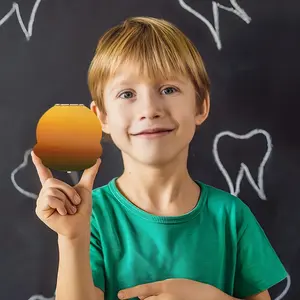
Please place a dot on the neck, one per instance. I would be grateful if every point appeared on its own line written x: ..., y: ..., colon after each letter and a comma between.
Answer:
x: 165, y: 189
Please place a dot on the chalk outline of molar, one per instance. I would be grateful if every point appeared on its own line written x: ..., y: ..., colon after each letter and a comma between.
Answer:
x: 73, y: 175
x: 285, y: 291
x: 215, y: 30
x: 243, y: 167
x: 16, y: 170
x: 16, y: 9
x: 40, y: 297
x: 253, y: 132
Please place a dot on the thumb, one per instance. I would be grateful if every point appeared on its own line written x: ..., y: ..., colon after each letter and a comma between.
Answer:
x: 88, y: 176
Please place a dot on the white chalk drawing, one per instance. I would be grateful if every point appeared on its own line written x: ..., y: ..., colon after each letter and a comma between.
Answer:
x: 259, y: 187
x: 285, y: 291
x: 215, y: 30
x: 16, y: 9
x: 74, y: 176
x: 40, y: 297
x: 16, y: 170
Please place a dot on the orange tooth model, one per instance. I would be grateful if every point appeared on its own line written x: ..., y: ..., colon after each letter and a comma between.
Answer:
x: 68, y: 137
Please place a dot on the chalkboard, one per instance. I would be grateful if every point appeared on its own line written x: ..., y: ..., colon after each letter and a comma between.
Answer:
x: 249, y: 145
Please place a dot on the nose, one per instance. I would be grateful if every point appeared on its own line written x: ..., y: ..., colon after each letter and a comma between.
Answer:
x: 150, y: 106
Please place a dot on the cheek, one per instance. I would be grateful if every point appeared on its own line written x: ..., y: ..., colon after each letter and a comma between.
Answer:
x: 185, y: 116
x: 187, y: 125
x: 118, y: 120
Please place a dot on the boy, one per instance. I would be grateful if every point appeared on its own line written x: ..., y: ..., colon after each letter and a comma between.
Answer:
x: 154, y: 232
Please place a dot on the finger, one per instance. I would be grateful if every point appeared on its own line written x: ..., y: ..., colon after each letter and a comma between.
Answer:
x: 143, y: 290
x: 55, y: 203
x: 68, y: 190
x: 89, y: 175
x: 163, y: 296
x: 43, y: 172
x: 71, y: 209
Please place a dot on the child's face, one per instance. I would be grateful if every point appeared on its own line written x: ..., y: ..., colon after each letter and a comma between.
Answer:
x: 135, y: 104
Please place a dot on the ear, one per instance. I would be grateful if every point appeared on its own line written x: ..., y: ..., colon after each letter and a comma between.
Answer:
x: 101, y: 116
x: 203, y: 111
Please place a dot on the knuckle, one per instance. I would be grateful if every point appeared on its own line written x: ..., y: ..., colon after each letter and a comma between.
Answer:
x: 55, y: 192
x: 49, y: 181
x: 74, y: 194
x: 49, y: 191
x: 51, y: 200
x: 42, y: 191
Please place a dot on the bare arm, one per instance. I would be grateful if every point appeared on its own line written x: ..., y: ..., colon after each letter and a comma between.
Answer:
x: 74, y: 280
x: 261, y: 296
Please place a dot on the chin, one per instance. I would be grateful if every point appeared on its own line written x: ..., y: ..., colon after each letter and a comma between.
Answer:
x: 156, y: 156
x: 156, y: 159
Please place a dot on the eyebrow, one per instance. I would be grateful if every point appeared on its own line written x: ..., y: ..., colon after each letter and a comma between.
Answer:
x: 121, y: 82
x: 116, y: 84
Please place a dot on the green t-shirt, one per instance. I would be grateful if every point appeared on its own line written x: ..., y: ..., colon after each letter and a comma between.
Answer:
x: 219, y: 242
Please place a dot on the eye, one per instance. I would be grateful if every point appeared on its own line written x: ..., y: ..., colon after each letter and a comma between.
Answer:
x: 127, y: 95
x: 169, y: 90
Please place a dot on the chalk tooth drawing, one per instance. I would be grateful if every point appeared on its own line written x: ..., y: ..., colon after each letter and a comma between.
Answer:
x: 215, y: 29
x: 16, y: 9
x: 259, y: 187
x: 74, y: 176
x: 285, y: 291
x: 16, y: 170
x: 40, y: 297
x: 244, y: 170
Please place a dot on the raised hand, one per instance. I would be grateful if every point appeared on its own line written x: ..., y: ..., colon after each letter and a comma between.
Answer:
x: 63, y: 208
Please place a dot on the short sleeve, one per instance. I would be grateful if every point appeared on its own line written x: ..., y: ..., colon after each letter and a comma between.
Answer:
x: 96, y: 255
x: 258, y: 267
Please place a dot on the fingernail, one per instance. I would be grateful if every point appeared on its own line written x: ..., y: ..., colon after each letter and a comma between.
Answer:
x: 77, y: 199
x: 73, y: 209
x: 120, y: 295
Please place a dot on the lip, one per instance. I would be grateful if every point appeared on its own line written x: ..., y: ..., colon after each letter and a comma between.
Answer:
x: 154, y: 130
x: 154, y: 133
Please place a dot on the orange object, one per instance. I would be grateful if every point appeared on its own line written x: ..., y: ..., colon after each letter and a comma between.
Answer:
x: 68, y: 138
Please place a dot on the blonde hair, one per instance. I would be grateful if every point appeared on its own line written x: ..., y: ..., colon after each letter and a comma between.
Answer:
x: 158, y: 47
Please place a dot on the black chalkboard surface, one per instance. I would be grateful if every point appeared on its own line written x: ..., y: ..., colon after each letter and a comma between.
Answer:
x: 249, y: 145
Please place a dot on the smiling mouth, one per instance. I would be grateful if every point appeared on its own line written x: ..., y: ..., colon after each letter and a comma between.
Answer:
x: 154, y: 133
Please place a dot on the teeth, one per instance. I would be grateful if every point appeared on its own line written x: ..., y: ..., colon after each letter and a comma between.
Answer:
x: 244, y: 170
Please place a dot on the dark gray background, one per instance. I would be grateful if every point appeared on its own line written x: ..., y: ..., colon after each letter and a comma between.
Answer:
x: 255, y: 85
